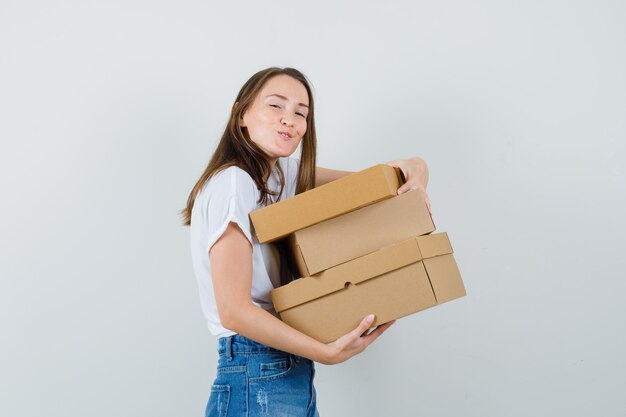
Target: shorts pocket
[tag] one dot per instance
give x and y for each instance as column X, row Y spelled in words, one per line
column 274, row 368
column 218, row 401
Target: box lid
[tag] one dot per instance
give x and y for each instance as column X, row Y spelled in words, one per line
column 360, row 269
column 325, row 202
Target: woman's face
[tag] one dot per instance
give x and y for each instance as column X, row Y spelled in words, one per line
column 276, row 119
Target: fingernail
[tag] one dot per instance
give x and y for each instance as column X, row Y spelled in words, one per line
column 370, row 318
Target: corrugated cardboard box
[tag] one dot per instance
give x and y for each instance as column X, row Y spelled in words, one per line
column 391, row 282
column 325, row 202
column 360, row 232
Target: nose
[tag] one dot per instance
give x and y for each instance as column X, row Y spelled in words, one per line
column 287, row 119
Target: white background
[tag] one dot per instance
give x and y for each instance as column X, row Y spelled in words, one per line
column 110, row 110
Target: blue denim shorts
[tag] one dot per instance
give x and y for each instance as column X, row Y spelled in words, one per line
column 256, row 380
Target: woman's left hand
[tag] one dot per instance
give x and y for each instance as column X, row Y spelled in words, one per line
column 416, row 174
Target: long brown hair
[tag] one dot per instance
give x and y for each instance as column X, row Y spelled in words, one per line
column 237, row 149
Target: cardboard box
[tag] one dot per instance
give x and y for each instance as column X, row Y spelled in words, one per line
column 360, row 232
column 391, row 282
column 325, row 202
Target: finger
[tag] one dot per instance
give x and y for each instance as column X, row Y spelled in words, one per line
column 408, row 186
column 376, row 333
column 383, row 327
column 363, row 326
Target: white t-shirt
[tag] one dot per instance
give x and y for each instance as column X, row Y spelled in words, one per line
column 228, row 197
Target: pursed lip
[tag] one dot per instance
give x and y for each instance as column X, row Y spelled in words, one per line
column 285, row 133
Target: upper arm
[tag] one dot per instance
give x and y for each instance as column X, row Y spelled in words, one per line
column 231, row 270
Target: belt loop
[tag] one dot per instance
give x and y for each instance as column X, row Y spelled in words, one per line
column 229, row 348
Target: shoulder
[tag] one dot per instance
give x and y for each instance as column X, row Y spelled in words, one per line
column 228, row 196
column 232, row 178
column 230, row 183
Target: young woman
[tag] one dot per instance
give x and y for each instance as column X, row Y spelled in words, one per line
column 265, row 367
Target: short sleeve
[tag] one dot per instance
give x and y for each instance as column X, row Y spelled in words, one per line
column 232, row 196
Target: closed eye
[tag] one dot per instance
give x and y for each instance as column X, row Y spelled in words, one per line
column 276, row 106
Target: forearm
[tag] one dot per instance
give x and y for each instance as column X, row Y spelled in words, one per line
column 414, row 169
column 257, row 324
column 326, row 175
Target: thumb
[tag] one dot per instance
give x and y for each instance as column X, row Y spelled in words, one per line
column 364, row 325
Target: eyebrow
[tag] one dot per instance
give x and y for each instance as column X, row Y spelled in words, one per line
column 286, row 99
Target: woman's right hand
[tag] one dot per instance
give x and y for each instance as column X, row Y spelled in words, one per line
column 355, row 342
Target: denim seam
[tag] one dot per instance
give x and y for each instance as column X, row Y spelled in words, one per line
column 269, row 366
column 274, row 377
column 231, row 369
column 247, row 392
column 312, row 399
column 244, row 352
column 219, row 389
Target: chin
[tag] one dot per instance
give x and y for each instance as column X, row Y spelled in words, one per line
column 283, row 153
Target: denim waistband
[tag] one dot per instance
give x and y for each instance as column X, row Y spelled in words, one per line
column 241, row 344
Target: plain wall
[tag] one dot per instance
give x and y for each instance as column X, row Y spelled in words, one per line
column 110, row 110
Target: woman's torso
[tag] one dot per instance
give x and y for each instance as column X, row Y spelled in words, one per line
column 231, row 195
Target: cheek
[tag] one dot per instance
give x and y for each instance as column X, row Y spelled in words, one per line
column 256, row 118
column 302, row 128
